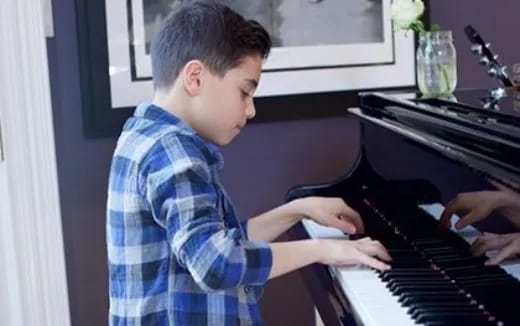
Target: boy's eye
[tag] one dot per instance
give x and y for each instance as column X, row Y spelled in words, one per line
column 244, row 94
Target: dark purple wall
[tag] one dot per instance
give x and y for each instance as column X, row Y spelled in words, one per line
column 260, row 165
column 497, row 22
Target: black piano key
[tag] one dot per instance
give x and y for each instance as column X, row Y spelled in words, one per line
column 453, row 317
column 440, row 250
column 435, row 258
column 419, row 277
column 443, row 304
column 422, row 280
column 394, row 285
column 478, row 284
column 409, row 270
column 410, row 288
column 434, row 295
column 491, row 276
column 418, row 312
column 409, row 264
column 461, row 323
column 453, row 263
column 426, row 301
column 429, row 242
column 396, row 272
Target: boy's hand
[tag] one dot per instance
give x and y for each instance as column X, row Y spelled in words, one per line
column 507, row 244
column 347, row 252
column 332, row 212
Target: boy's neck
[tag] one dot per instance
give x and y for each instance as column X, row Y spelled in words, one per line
column 173, row 103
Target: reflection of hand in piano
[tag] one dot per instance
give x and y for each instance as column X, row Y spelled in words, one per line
column 508, row 246
column 478, row 205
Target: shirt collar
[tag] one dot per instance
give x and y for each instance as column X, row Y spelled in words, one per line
column 154, row 112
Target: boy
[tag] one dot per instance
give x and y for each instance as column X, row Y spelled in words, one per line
column 177, row 252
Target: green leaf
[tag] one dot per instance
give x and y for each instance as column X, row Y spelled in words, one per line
column 417, row 26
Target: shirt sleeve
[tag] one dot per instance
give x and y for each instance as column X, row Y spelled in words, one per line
column 243, row 225
column 184, row 199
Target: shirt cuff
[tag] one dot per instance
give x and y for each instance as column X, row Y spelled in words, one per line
column 259, row 261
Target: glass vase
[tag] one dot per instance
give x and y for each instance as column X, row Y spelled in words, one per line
column 436, row 64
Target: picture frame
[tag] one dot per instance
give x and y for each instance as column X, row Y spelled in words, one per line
column 116, row 75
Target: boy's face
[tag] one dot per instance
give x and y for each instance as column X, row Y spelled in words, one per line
column 225, row 103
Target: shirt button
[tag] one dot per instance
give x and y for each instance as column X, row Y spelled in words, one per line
column 247, row 289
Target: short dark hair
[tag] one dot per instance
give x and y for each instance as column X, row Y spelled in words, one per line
column 205, row 30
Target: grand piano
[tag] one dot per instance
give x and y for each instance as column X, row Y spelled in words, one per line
column 415, row 156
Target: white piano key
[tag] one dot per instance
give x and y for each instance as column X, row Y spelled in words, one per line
column 372, row 301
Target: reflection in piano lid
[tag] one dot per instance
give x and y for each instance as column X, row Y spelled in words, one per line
column 416, row 156
column 484, row 140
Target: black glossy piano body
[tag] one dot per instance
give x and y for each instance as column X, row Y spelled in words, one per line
column 415, row 152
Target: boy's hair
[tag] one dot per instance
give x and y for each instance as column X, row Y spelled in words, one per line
column 208, row 31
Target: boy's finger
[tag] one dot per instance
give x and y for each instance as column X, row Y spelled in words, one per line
column 345, row 226
column 353, row 216
column 375, row 248
column 372, row 262
column 354, row 220
column 382, row 253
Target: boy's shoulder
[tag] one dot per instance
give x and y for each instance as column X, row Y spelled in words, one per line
column 143, row 139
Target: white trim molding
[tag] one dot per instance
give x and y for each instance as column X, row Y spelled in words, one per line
column 33, row 280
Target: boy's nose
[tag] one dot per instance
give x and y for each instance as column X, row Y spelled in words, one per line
column 251, row 110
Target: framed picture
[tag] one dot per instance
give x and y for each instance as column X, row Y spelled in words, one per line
column 319, row 46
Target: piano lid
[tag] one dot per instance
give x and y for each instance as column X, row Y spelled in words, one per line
column 485, row 140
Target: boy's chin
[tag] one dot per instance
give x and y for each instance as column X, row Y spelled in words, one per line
column 227, row 139
column 223, row 141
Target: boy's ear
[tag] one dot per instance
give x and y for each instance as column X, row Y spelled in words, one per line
column 192, row 76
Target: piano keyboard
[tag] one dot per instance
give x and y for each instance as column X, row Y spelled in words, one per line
column 414, row 293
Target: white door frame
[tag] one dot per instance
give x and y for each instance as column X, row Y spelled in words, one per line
column 33, row 276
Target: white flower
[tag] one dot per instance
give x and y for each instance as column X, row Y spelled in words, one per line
column 405, row 12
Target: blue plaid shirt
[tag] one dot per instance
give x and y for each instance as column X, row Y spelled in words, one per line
column 177, row 252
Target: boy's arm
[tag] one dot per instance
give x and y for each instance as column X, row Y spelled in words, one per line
column 176, row 181
column 326, row 211
column 270, row 225
column 290, row 256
